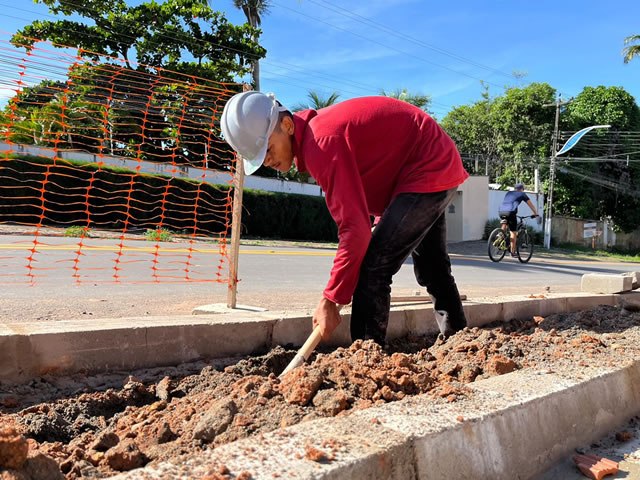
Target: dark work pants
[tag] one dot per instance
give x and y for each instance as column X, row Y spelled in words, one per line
column 413, row 224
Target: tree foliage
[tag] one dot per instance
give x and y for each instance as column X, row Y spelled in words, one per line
column 604, row 105
column 632, row 48
column 511, row 132
column 185, row 36
column 423, row 102
column 601, row 173
column 316, row 101
column 160, row 107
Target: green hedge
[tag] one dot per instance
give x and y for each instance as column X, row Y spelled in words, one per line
column 114, row 198
column 287, row 216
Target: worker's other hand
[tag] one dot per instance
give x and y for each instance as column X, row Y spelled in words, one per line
column 327, row 316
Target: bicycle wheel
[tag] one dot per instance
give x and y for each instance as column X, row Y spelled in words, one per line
column 525, row 246
column 497, row 245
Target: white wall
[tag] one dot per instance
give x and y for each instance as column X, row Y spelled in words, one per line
column 214, row 177
column 467, row 213
column 455, row 218
column 475, row 198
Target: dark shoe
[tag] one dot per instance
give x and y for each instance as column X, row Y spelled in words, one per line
column 444, row 324
column 514, row 255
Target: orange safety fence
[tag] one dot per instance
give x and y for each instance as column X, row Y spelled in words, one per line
column 95, row 154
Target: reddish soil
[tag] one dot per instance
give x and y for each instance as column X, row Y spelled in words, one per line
column 77, row 427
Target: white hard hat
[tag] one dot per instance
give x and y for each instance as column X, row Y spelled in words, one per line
column 247, row 121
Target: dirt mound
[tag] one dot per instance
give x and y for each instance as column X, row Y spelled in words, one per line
column 163, row 414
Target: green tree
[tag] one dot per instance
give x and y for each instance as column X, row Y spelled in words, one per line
column 254, row 10
column 154, row 110
column 472, row 128
column 316, row 101
column 604, row 105
column 511, row 132
column 185, row 36
column 524, row 127
column 421, row 101
column 632, row 48
column 600, row 176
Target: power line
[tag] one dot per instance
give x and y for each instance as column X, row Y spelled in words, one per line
column 379, row 26
column 288, row 66
column 387, row 46
column 601, row 181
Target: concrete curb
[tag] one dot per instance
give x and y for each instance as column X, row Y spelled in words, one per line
column 534, row 418
column 512, row 426
column 29, row 350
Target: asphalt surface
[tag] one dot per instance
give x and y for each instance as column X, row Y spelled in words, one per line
column 51, row 277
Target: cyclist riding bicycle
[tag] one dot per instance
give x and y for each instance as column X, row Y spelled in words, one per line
column 509, row 209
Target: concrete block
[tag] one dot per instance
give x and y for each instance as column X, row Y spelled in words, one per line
column 479, row 314
column 66, row 352
column 215, row 339
column 585, row 301
column 603, row 283
column 134, row 344
column 16, row 363
column 523, row 309
column 636, row 279
column 629, row 301
column 292, row 330
column 411, row 320
column 295, row 330
column 552, row 305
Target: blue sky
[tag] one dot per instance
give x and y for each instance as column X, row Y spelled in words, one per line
column 441, row 49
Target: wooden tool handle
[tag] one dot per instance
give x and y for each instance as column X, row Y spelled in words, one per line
column 311, row 343
column 305, row 351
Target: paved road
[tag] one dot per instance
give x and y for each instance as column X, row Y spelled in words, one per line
column 279, row 278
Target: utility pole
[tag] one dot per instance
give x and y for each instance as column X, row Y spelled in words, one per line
column 569, row 144
column 552, row 169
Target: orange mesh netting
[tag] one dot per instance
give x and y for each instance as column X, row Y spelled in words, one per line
column 105, row 154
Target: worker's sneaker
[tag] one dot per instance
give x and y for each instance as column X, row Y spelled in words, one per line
column 448, row 324
column 442, row 318
column 514, row 255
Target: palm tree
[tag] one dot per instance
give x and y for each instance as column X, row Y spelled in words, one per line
column 254, row 10
column 631, row 51
column 317, row 101
column 420, row 101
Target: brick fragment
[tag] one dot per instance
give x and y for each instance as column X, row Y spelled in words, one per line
column 594, row 466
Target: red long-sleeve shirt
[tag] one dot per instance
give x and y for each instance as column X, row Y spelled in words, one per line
column 363, row 152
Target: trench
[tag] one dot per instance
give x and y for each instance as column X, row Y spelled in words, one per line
column 97, row 426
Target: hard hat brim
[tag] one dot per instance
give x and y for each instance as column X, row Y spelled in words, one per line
column 252, row 166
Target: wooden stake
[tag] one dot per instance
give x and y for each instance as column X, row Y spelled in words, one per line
column 236, row 227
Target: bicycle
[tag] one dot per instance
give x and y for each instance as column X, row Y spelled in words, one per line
column 499, row 242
